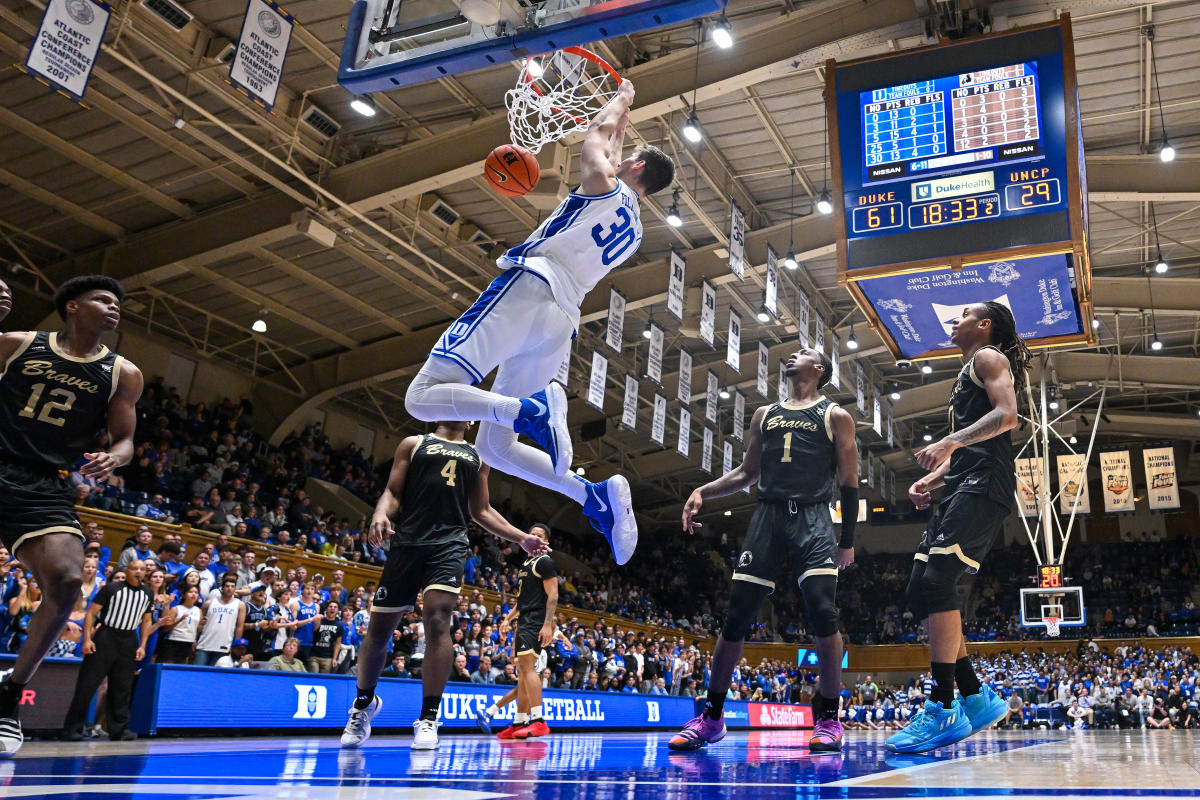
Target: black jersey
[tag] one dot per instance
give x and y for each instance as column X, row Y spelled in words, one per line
column 986, row 467
column 799, row 459
column 52, row 405
column 437, row 488
column 531, row 594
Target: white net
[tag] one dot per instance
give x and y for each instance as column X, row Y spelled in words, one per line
column 1052, row 616
column 557, row 94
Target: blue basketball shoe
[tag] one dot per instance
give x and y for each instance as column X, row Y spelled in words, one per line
column 543, row 418
column 932, row 727
column 983, row 709
column 609, row 505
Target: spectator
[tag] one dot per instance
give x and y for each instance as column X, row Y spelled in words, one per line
column 458, row 672
column 484, row 674
column 286, row 661
column 398, row 668
column 182, row 626
column 238, row 656
column 155, row 509
column 327, row 640
column 221, row 624
column 138, row 549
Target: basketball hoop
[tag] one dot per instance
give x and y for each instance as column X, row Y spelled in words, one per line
column 557, row 94
column 1052, row 625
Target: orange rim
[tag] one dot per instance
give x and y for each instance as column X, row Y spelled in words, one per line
column 575, row 51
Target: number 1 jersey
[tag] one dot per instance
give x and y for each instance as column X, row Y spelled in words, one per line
column 437, row 490
column 583, row 240
column 799, row 457
column 52, row 405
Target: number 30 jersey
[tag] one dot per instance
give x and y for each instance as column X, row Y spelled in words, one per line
column 799, row 459
column 52, row 405
column 437, row 490
column 585, row 238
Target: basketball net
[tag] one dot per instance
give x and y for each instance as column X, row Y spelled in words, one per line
column 558, row 94
column 1052, row 625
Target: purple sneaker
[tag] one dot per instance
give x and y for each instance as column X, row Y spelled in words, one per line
column 827, row 736
column 698, row 732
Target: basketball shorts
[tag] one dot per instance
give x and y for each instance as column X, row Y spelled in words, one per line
column 529, row 628
column 515, row 322
column 965, row 525
column 34, row 503
column 777, row 529
column 412, row 569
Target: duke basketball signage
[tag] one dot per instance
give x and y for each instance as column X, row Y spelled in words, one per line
column 311, row 701
column 67, row 44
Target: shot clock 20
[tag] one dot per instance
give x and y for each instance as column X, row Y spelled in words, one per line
column 1051, row 577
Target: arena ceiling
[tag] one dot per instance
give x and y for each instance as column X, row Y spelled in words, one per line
column 211, row 210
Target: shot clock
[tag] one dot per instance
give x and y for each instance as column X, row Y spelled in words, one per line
column 1051, row 577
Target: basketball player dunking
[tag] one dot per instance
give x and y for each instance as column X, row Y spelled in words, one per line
column 524, row 322
column 59, row 389
column 975, row 463
column 793, row 452
column 437, row 483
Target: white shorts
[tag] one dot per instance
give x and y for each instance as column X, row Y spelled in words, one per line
column 516, row 325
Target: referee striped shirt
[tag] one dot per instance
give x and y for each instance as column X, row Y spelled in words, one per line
column 122, row 605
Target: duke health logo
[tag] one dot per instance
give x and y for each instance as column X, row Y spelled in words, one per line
column 923, row 190
column 310, row 701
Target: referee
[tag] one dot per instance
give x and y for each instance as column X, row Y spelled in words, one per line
column 112, row 652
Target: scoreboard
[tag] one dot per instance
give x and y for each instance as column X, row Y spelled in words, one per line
column 961, row 155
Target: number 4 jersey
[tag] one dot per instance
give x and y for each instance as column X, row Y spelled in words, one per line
column 585, row 238
column 437, row 489
column 52, row 404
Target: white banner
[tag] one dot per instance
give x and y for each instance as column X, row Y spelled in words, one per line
column 882, row 480
column 1029, row 481
column 892, row 486
column 257, row 66
column 733, row 345
column 771, row 292
column 1117, row 477
column 614, row 334
column 1072, row 484
column 835, row 360
column 629, row 407
column 67, row 43
column 891, row 427
column 819, row 333
column 803, row 315
column 711, row 397
column 564, row 371
column 708, row 313
column 860, row 388
column 658, row 425
column 726, row 457
column 675, row 291
column 595, row 394
column 706, row 452
column 876, row 412
column 685, row 431
column 684, row 391
column 739, row 416
column 654, row 358
column 870, row 470
column 763, row 359
column 737, row 240
column 1162, row 486
column 782, row 387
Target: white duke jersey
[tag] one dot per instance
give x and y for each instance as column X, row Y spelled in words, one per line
column 585, row 238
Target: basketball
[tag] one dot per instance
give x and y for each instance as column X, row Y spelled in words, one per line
column 511, row 170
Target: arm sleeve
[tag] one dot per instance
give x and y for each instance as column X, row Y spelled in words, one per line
column 849, row 498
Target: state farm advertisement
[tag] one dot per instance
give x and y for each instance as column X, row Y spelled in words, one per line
column 770, row 715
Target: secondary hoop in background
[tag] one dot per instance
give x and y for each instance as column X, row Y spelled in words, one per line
column 1052, row 616
column 558, row 94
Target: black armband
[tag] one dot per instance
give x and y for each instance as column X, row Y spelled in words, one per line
column 849, row 516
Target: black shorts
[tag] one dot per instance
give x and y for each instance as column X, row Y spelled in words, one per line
column 529, row 628
column 965, row 526
column 34, row 502
column 412, row 569
column 804, row 530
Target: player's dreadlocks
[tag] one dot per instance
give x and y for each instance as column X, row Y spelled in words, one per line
column 1005, row 337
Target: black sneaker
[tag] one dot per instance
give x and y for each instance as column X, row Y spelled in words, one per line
column 124, row 736
column 11, row 737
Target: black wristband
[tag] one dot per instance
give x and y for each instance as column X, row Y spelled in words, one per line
column 849, row 516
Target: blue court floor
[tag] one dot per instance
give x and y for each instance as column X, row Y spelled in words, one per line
column 616, row 766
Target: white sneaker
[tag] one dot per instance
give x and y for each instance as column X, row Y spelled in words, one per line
column 425, row 734
column 11, row 737
column 358, row 727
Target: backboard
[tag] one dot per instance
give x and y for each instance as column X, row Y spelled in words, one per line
column 1039, row 603
column 393, row 43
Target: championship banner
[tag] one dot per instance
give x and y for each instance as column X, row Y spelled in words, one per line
column 877, row 412
column 629, row 407
column 654, row 359
column 771, row 290
column 737, row 240
column 658, row 424
column 739, row 415
column 711, row 397
column 892, row 485
column 1072, row 484
column 860, row 386
column 870, row 470
column 726, row 457
column 882, row 480
column 708, row 313
column 685, row 431
column 564, row 371
column 684, row 391
column 803, row 315
column 891, row 427
column 595, row 393
column 835, row 360
column 783, row 388
column 1117, row 478
column 257, row 66
column 761, row 379
column 1162, row 486
column 733, row 345
column 706, row 452
column 675, row 290
column 614, row 334
column 67, row 43
column 819, row 334
column 1029, row 481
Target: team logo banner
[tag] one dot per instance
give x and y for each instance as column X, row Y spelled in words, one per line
column 711, row 397
column 654, row 358
column 614, row 334
column 726, row 457
column 706, row 453
column 860, row 389
column 67, row 44
column 684, row 390
column 819, row 334
column 257, row 66
column 739, row 415
column 1162, row 485
column 760, row 383
column 685, row 431
column 783, row 382
column 1072, row 484
column 876, row 412
column 835, row 360
column 708, row 312
column 1029, row 481
column 1117, row 478
column 733, row 345
column 771, row 290
column 629, row 407
column 595, row 394
column 675, row 290
column 737, row 240
column 803, row 315
column 891, row 427
column 658, row 424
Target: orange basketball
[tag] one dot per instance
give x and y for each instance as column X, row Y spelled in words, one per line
column 511, row 170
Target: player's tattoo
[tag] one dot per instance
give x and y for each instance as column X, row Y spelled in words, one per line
column 987, row 426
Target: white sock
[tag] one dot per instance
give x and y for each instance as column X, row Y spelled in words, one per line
column 521, row 719
column 499, row 447
column 492, row 710
column 535, row 713
column 442, row 391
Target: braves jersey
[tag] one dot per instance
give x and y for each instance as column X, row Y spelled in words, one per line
column 799, row 458
column 585, row 238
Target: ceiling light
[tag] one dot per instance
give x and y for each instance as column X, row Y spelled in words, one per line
column 823, row 203
column 579, row 470
column 673, row 218
column 260, row 322
column 926, row 369
column 863, row 479
column 1166, row 153
column 646, row 333
column 1161, row 266
column 728, row 513
column 789, row 260
column 722, row 35
column 763, row 315
column 1095, row 322
column 691, row 129
column 928, row 437
column 1072, row 440
column 1156, row 344
column 1054, row 405
column 364, row 105
column 533, row 68
column 895, row 393
column 724, row 393
column 852, row 342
